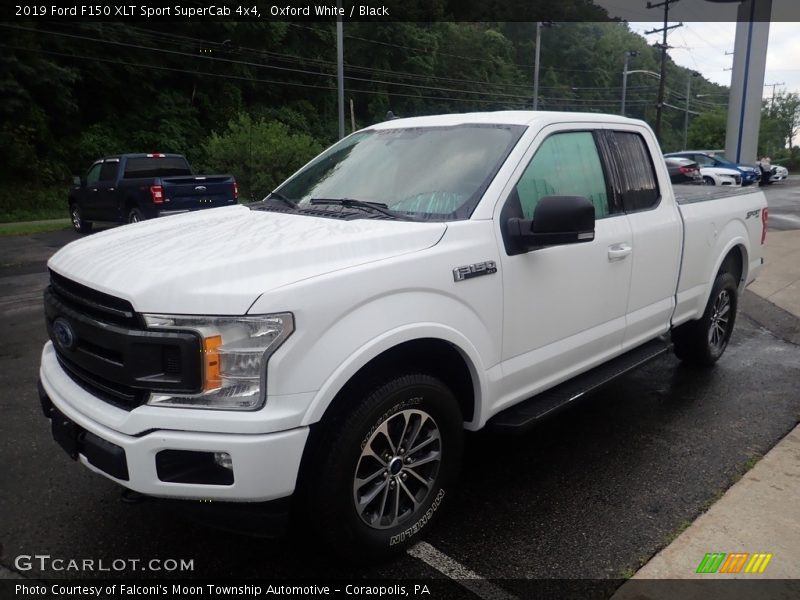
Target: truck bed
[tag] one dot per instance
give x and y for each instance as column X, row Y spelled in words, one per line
column 689, row 194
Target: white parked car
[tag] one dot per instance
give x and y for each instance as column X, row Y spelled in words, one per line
column 721, row 176
column 779, row 173
column 325, row 349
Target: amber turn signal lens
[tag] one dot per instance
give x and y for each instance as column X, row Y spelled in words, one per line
column 212, row 379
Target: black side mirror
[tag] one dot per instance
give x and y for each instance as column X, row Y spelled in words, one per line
column 76, row 181
column 557, row 220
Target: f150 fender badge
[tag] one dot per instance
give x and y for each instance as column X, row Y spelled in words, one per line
column 474, row 270
column 753, row 213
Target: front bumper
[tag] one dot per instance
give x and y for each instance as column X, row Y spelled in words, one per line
column 264, row 466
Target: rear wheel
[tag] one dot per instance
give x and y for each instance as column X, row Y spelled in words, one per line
column 135, row 215
column 703, row 341
column 380, row 473
column 709, row 180
column 78, row 224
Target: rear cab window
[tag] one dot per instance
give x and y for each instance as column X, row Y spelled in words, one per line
column 152, row 167
column 108, row 171
column 630, row 164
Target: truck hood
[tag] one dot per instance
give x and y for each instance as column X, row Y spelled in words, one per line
column 220, row 261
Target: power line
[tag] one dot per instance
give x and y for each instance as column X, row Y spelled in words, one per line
column 260, row 65
column 239, row 78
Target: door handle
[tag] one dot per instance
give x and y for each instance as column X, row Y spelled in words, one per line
column 619, row 252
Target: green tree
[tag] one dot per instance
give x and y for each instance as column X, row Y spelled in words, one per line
column 707, row 131
column 259, row 153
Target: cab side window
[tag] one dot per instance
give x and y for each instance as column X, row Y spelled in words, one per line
column 638, row 185
column 566, row 164
column 109, row 171
column 94, row 174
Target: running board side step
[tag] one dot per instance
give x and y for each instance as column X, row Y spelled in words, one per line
column 521, row 417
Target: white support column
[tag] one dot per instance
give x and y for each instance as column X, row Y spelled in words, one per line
column 747, row 81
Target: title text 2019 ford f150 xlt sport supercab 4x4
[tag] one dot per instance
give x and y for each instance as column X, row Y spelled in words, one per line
column 323, row 350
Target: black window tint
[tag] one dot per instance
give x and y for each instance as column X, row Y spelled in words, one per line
column 109, row 171
column 94, row 174
column 150, row 167
column 638, row 185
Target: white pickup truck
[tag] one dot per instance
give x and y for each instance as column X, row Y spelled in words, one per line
column 320, row 353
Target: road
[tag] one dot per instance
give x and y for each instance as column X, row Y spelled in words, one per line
column 591, row 493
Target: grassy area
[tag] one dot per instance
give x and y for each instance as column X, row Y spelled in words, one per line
column 33, row 227
column 25, row 203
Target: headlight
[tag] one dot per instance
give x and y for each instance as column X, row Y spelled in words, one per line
column 234, row 356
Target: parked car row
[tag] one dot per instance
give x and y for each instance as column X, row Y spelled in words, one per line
column 707, row 159
column 710, row 168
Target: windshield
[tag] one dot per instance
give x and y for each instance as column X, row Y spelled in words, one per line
column 431, row 173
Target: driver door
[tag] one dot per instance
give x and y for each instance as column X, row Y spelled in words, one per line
column 91, row 192
column 564, row 307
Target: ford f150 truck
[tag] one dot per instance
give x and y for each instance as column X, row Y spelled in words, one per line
column 132, row 187
column 319, row 354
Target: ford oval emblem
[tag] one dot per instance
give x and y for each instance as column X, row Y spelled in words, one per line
column 63, row 334
column 200, row 188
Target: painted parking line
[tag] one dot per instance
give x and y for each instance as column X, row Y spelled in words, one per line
column 458, row 573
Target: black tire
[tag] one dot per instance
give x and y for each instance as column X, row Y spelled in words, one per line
column 135, row 215
column 78, row 224
column 703, row 341
column 709, row 180
column 412, row 407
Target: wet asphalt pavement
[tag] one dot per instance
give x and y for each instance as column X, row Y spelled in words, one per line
column 591, row 493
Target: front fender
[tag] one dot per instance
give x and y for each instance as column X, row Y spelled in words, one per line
column 386, row 341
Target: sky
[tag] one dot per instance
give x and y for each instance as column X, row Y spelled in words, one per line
column 702, row 47
column 701, row 44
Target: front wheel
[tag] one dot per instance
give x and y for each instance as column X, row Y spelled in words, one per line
column 703, row 341
column 78, row 224
column 709, row 180
column 382, row 471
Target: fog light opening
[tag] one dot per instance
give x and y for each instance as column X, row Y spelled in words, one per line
column 223, row 459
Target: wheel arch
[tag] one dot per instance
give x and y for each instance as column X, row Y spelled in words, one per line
column 734, row 261
column 439, row 354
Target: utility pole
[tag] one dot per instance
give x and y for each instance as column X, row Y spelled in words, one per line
column 772, row 99
column 629, row 54
column 686, row 117
column 536, row 66
column 340, row 69
column 539, row 25
column 663, row 45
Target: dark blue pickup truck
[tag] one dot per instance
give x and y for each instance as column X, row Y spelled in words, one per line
column 132, row 187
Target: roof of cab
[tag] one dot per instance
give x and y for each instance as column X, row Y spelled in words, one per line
column 503, row 117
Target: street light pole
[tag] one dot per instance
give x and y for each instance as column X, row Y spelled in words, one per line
column 628, row 55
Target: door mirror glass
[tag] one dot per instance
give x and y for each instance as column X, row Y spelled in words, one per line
column 76, row 181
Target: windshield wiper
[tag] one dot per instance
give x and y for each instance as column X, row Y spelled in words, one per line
column 379, row 207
